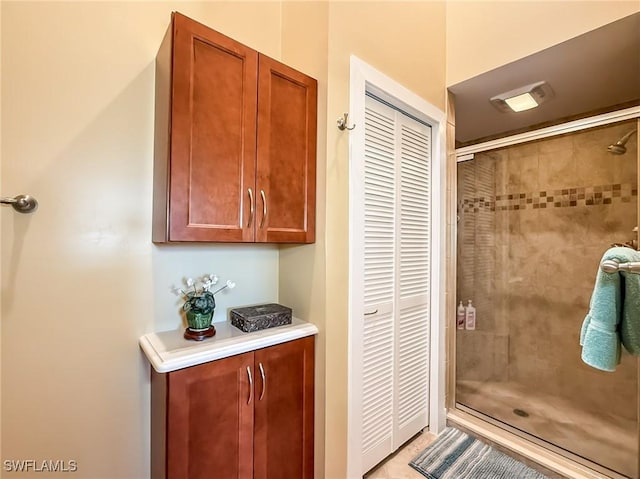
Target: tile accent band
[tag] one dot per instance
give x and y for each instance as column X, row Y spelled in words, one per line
column 562, row 198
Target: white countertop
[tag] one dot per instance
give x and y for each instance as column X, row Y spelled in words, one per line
column 168, row 350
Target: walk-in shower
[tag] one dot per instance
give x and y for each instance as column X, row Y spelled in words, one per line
column 534, row 221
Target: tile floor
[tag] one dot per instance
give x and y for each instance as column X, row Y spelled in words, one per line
column 397, row 465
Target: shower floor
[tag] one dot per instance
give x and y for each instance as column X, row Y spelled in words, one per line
column 606, row 439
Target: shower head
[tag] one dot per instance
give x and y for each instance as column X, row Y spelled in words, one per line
column 618, row 147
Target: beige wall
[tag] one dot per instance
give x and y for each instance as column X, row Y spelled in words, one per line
column 81, row 280
column 302, row 268
column 377, row 33
column 482, row 35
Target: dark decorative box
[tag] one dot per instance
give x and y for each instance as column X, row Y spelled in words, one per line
column 263, row 316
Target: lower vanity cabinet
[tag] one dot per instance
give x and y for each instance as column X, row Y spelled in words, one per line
column 248, row 416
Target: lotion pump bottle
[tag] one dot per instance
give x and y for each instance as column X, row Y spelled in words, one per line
column 460, row 316
column 470, row 316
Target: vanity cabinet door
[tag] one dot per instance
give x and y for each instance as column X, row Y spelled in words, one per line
column 210, row 420
column 248, row 416
column 283, row 431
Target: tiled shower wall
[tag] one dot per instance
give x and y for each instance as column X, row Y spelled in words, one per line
column 534, row 221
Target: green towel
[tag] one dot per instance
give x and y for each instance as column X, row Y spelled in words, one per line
column 614, row 314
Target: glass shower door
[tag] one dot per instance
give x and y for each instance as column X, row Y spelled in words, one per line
column 535, row 220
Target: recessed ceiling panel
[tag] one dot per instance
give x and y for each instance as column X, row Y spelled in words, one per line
column 593, row 73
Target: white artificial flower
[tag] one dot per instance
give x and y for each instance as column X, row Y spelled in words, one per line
column 197, row 287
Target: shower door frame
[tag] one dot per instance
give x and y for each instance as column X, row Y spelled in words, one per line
column 460, row 414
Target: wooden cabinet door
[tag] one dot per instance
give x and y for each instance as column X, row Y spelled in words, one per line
column 210, row 420
column 286, row 158
column 283, row 430
column 213, row 136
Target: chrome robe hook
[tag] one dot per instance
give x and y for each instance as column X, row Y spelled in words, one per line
column 343, row 122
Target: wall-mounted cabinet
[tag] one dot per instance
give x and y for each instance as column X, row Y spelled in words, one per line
column 235, row 148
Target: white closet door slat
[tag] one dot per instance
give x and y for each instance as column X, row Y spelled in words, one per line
column 412, row 361
column 415, row 221
column 379, row 266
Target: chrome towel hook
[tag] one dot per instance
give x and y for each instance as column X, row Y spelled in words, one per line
column 21, row 203
column 343, row 122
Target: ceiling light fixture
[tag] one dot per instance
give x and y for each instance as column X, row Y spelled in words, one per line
column 523, row 98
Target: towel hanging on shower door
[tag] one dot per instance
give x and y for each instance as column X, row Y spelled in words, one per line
column 614, row 314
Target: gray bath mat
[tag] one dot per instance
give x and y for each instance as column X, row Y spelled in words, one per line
column 456, row 455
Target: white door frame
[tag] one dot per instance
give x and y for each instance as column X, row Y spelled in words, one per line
column 363, row 78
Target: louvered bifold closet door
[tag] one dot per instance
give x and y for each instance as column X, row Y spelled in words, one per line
column 379, row 281
column 413, row 291
column 397, row 229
